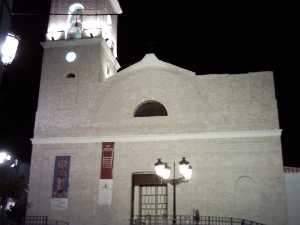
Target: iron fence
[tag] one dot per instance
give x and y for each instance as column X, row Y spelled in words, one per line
column 157, row 220
column 190, row 220
column 43, row 220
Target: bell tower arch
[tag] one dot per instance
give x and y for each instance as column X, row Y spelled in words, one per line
column 80, row 19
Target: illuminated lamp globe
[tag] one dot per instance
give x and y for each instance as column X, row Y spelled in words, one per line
column 159, row 167
column 9, row 48
column 188, row 173
column 4, row 156
column 166, row 172
column 183, row 166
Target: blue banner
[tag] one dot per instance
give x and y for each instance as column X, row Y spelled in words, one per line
column 61, row 177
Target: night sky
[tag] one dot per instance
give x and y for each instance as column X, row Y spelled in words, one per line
column 205, row 39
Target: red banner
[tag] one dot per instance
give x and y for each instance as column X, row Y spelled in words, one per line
column 107, row 160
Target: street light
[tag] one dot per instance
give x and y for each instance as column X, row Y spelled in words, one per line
column 163, row 170
column 9, row 48
column 6, row 157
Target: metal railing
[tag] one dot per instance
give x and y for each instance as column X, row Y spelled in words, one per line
column 190, row 220
column 43, row 220
column 157, row 220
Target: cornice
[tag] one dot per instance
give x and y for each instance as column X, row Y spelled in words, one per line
column 158, row 137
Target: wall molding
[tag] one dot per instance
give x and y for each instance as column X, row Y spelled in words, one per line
column 158, row 137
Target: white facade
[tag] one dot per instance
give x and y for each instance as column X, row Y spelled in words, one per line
column 292, row 183
column 225, row 125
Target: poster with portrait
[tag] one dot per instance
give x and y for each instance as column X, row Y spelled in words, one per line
column 60, row 187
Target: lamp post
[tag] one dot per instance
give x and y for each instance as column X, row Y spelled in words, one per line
column 164, row 171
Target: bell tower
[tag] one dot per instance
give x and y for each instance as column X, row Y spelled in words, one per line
column 80, row 54
column 76, row 27
column 81, row 19
column 79, row 57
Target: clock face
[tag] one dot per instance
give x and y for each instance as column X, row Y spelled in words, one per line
column 71, row 57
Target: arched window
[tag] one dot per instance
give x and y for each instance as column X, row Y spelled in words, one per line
column 109, row 20
column 76, row 8
column 150, row 108
column 75, row 21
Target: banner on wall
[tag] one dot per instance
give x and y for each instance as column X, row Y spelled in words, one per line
column 60, row 187
column 106, row 176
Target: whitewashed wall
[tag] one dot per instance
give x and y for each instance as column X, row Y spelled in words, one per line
column 226, row 125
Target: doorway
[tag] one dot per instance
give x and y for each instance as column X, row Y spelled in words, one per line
column 149, row 198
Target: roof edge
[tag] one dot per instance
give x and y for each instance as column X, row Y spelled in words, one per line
column 150, row 60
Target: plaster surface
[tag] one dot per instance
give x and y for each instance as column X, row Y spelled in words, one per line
column 235, row 173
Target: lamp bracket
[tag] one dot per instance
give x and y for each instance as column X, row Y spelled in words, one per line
column 177, row 181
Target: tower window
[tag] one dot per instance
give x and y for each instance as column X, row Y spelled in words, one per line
column 109, row 20
column 74, row 28
column 71, row 57
column 108, row 71
column 70, row 75
column 150, row 108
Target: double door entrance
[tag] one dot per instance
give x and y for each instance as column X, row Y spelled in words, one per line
column 153, row 200
column 149, row 198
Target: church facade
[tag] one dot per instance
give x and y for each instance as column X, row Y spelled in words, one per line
column 98, row 132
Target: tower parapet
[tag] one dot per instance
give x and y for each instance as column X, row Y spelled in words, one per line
column 71, row 19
